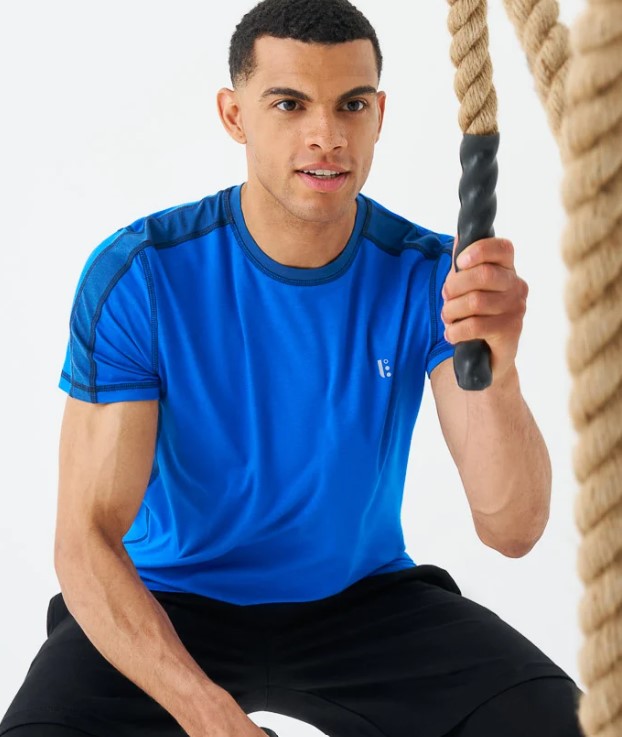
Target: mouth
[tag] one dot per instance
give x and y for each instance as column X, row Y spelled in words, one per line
column 323, row 180
column 323, row 173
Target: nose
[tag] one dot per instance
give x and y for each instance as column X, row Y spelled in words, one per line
column 324, row 131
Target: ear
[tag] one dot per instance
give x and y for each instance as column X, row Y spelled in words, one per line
column 381, row 99
column 230, row 113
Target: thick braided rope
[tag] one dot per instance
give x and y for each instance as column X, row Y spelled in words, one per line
column 578, row 77
column 588, row 68
column 591, row 144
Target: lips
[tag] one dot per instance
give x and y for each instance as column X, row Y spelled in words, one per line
column 321, row 173
column 324, row 183
column 323, row 166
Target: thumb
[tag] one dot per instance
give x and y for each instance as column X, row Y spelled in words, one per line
column 453, row 253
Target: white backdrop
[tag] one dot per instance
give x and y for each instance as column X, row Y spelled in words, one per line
column 110, row 114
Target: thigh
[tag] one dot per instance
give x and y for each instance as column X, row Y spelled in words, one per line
column 69, row 683
column 544, row 707
column 397, row 655
column 45, row 730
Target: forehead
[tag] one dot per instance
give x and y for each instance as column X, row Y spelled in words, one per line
column 291, row 63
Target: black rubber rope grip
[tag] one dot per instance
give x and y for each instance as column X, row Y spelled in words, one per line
column 478, row 207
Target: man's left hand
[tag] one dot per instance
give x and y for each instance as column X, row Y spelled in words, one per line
column 486, row 299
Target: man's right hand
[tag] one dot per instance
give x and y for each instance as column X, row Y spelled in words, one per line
column 229, row 720
column 100, row 584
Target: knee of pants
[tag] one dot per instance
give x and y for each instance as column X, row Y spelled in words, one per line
column 543, row 707
column 44, row 730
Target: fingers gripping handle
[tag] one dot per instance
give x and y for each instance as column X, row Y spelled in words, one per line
column 478, row 207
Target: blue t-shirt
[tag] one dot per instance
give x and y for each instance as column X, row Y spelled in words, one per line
column 287, row 396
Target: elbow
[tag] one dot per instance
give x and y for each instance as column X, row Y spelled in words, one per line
column 518, row 551
column 513, row 535
column 527, row 546
column 514, row 549
column 512, row 546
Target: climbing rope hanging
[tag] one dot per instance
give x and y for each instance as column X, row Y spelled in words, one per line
column 578, row 78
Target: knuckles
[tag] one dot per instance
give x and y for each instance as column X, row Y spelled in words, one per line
column 486, row 273
column 508, row 246
column 476, row 301
column 525, row 288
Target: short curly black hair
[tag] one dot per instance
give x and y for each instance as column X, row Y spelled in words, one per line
column 313, row 21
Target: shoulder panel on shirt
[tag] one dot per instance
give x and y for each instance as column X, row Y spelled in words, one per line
column 112, row 348
column 112, row 352
column 181, row 223
column 395, row 234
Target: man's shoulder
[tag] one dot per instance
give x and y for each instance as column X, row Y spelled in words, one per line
column 174, row 225
column 183, row 220
column 396, row 233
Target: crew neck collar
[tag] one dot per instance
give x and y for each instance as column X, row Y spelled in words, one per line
column 295, row 274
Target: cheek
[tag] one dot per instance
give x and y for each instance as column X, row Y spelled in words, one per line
column 274, row 139
column 364, row 140
column 366, row 149
column 259, row 132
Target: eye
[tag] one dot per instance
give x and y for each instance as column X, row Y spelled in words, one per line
column 362, row 103
column 286, row 102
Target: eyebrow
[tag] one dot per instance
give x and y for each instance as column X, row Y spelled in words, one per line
column 289, row 92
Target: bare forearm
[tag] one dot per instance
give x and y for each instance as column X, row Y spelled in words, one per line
column 506, row 468
column 129, row 627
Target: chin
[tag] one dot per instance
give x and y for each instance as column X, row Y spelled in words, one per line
column 325, row 203
column 320, row 212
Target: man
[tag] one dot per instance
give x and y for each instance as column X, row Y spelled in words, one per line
column 244, row 373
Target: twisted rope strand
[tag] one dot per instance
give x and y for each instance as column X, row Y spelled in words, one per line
column 545, row 42
column 471, row 57
column 599, row 494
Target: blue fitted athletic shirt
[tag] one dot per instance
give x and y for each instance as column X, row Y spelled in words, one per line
column 287, row 396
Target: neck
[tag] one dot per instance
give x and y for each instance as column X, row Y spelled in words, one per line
column 290, row 240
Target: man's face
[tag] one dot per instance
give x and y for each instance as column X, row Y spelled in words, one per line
column 308, row 106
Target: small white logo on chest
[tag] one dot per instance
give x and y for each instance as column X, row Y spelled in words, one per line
column 384, row 369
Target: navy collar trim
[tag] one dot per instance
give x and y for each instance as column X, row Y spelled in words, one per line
column 295, row 274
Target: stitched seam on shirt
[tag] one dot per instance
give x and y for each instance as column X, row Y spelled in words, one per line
column 91, row 267
column 126, row 266
column 110, row 387
column 187, row 237
column 429, row 254
column 398, row 251
column 98, row 311
column 153, row 310
column 142, row 244
column 437, row 350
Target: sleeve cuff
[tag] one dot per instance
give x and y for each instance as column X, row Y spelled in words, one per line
column 110, row 392
column 439, row 357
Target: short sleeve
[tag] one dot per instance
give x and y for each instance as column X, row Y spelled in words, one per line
column 111, row 352
column 440, row 349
